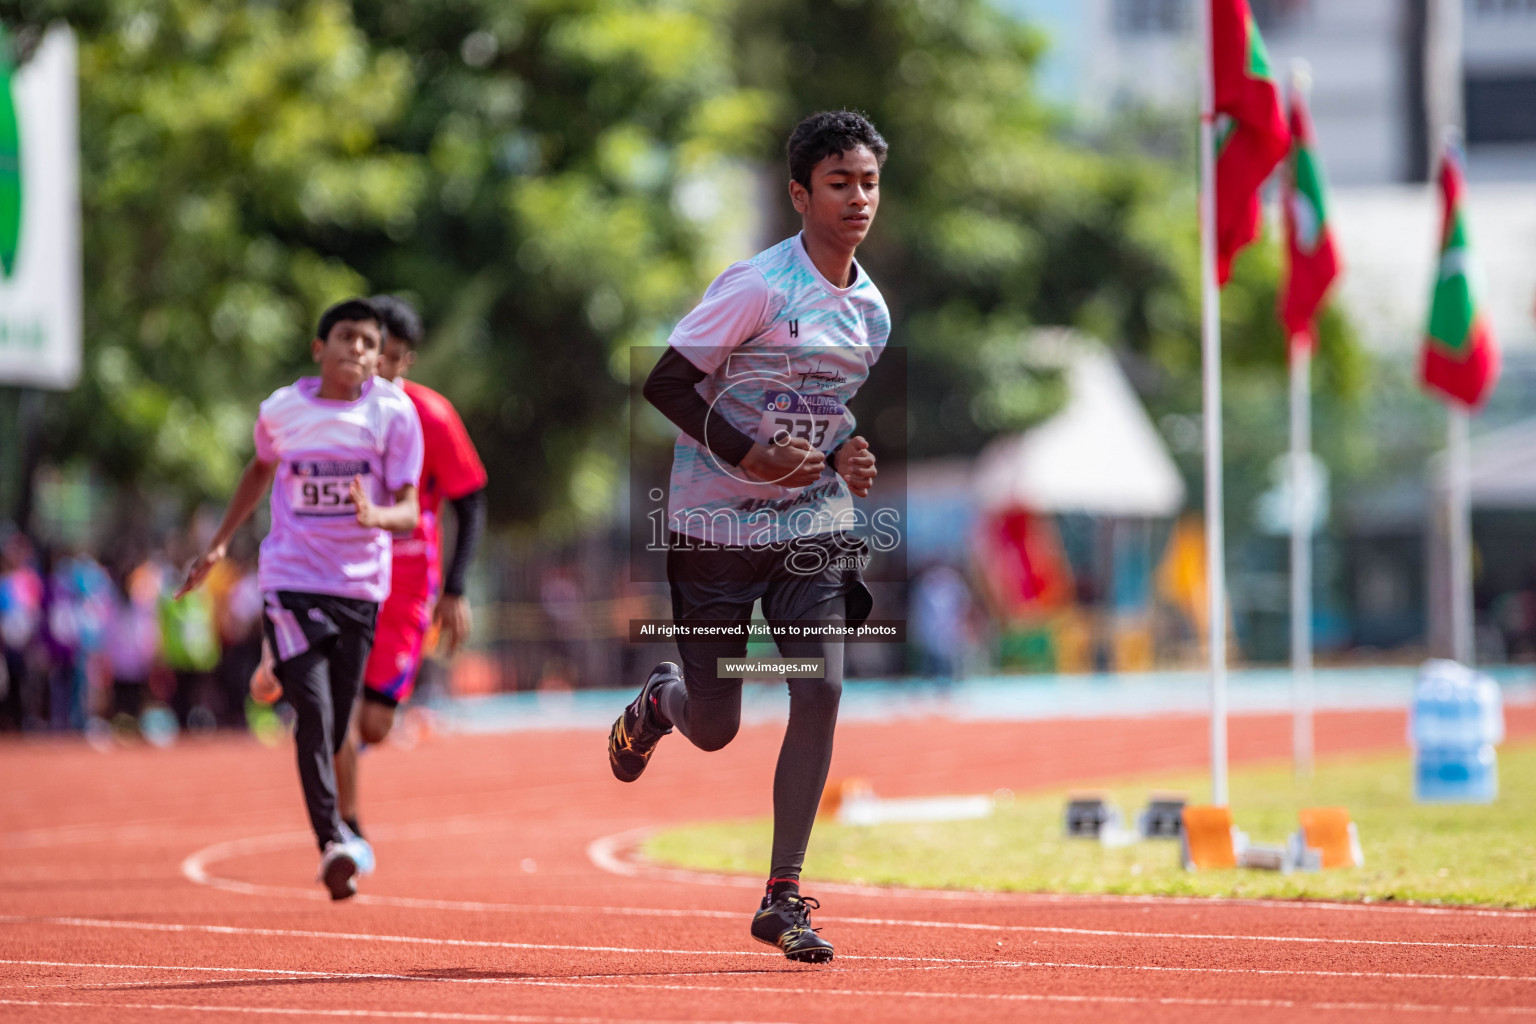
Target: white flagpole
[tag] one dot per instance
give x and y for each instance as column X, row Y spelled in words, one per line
column 1302, row 512
column 1210, row 356
column 1459, row 496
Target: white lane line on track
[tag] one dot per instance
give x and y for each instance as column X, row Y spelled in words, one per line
column 474, row 906
column 1020, row 997
column 601, row 851
column 195, row 866
column 417, row 903
column 942, row 961
column 801, row 989
column 1045, row 929
column 183, row 967
column 220, row 929
column 1196, row 936
column 493, row 1018
column 246, row 972
column 947, row 965
column 1079, row 999
column 234, row 982
column 609, row 854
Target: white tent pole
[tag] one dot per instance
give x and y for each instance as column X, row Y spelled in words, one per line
column 1303, row 509
column 1459, row 496
column 1210, row 355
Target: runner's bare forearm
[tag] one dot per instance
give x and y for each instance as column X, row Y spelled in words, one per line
column 402, row 516
column 254, row 482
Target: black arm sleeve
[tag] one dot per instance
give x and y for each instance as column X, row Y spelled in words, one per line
column 470, row 510
column 672, row 388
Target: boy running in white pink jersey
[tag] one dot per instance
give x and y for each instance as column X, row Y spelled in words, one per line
column 342, row 452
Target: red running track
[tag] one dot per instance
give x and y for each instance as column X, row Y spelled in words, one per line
column 175, row 885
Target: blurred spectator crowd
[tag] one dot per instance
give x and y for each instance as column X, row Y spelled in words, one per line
column 97, row 643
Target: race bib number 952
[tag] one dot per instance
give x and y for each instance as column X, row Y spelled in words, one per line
column 817, row 418
column 324, row 488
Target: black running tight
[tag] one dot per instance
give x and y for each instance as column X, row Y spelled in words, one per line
column 707, row 710
column 321, row 684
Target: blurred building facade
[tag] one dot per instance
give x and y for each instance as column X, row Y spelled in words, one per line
column 1367, row 59
column 1385, row 76
column 1375, row 90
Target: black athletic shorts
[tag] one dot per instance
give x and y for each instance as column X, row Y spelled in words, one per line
column 718, row 583
column 295, row 622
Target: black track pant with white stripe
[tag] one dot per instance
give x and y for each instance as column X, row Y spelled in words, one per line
column 321, row 644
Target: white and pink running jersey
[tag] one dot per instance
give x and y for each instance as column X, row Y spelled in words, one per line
column 315, row 545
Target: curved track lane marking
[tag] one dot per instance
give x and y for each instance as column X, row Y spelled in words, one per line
column 601, row 851
column 616, row 855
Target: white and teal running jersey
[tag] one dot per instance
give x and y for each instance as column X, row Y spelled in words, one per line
column 785, row 352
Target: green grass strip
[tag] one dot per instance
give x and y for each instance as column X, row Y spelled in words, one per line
column 1436, row 853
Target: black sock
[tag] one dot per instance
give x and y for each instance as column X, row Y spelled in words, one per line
column 352, row 824
column 779, row 886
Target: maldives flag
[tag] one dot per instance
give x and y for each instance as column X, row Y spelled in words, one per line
column 1251, row 137
column 1460, row 359
column 1313, row 262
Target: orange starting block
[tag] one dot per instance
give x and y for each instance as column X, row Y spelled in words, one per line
column 1208, row 837
column 841, row 791
column 1329, row 831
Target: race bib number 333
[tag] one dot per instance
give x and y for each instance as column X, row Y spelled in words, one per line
column 322, row 488
column 816, row 418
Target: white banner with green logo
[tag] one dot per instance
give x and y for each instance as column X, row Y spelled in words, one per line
column 40, row 319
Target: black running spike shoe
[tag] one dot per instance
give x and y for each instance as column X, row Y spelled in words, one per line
column 785, row 921
column 635, row 735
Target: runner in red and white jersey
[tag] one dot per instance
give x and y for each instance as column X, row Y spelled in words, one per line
column 424, row 592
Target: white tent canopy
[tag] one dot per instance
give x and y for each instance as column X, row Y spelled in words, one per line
column 1503, row 468
column 1099, row 455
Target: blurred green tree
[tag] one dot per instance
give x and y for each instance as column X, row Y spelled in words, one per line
column 223, row 147
column 545, row 179
column 579, row 157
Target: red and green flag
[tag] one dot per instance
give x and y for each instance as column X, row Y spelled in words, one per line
column 1460, row 358
column 1251, row 136
column 1313, row 260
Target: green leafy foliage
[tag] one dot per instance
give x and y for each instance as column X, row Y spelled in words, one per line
column 224, row 148
column 566, row 144
column 541, row 179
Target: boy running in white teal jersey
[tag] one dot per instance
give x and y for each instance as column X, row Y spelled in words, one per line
column 758, row 378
